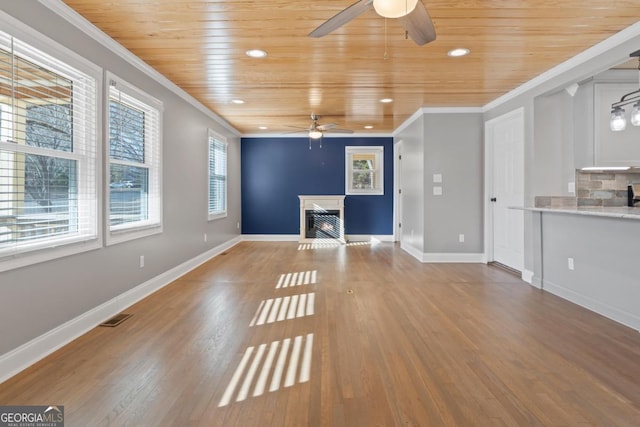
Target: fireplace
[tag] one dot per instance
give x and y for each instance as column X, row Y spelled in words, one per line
column 322, row 224
column 321, row 218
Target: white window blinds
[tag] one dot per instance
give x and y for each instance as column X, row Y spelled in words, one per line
column 48, row 187
column 217, row 176
column 134, row 153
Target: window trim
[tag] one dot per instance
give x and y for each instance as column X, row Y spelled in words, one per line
column 71, row 245
column 378, row 152
column 211, row 134
column 135, row 230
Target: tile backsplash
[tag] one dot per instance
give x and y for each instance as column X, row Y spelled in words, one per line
column 603, row 188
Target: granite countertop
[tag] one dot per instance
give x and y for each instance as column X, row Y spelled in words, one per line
column 610, row 212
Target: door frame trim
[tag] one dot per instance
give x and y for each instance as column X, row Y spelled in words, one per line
column 489, row 126
column 397, row 202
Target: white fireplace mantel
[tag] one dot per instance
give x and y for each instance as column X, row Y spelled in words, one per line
column 324, row 202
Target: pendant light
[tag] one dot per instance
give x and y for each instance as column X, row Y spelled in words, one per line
column 618, row 120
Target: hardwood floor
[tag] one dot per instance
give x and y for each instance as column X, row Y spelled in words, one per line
column 271, row 334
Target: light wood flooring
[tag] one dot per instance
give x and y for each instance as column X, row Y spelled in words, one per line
column 374, row 338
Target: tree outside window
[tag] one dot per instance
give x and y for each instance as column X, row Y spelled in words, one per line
column 364, row 170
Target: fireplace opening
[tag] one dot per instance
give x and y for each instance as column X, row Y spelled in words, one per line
column 322, row 224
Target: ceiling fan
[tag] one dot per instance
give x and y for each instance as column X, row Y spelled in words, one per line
column 412, row 14
column 316, row 131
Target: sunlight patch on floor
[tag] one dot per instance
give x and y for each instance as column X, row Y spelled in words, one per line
column 255, row 370
column 297, row 279
column 309, row 246
column 331, row 245
column 284, row 308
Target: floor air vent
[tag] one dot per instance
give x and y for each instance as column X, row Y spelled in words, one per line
column 116, row 320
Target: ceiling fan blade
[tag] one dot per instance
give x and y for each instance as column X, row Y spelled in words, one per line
column 327, row 126
column 337, row 21
column 419, row 25
column 298, row 127
column 338, row 131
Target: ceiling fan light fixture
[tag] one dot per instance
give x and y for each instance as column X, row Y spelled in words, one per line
column 315, row 134
column 394, row 8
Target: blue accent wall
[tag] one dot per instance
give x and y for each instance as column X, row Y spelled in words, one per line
column 276, row 170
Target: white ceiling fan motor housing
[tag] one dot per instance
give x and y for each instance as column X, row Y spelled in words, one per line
column 394, row 8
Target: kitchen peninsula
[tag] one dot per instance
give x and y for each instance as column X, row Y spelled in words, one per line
column 589, row 255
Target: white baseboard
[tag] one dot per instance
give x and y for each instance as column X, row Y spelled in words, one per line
column 29, row 353
column 453, row 257
column 426, row 257
column 270, row 237
column 411, row 251
column 527, row 276
column 631, row 320
column 296, row 237
column 369, row 238
column 536, row 282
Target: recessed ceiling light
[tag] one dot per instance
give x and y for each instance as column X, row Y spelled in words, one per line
column 458, row 52
column 368, row 127
column 237, row 101
column 256, row 53
column 263, row 127
column 386, row 100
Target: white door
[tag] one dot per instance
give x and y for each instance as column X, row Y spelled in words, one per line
column 505, row 189
column 397, row 188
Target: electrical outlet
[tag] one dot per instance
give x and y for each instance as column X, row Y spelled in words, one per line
column 141, row 261
column 238, row 225
column 570, row 264
column 437, row 190
column 205, row 237
column 461, row 238
column 572, row 188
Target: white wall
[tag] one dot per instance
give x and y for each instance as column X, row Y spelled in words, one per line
column 412, row 170
column 448, row 143
column 553, row 145
column 454, row 149
column 37, row 299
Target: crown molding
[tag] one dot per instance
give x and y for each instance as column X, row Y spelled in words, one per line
column 603, row 47
column 436, row 110
column 78, row 21
column 324, row 137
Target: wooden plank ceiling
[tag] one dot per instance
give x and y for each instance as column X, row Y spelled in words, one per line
column 200, row 45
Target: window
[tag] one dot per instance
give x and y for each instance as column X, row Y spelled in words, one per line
column 364, row 170
column 48, row 150
column 134, row 152
column 217, row 176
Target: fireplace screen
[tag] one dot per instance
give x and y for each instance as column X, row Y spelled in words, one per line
column 322, row 224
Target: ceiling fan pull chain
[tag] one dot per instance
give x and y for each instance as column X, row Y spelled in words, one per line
column 386, row 56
